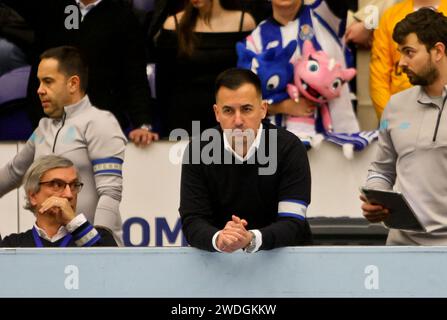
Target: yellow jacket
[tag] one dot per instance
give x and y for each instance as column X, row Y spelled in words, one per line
column 386, row 78
column 361, row 14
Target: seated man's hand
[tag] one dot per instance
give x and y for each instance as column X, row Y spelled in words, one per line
column 59, row 209
column 373, row 212
column 142, row 137
column 302, row 108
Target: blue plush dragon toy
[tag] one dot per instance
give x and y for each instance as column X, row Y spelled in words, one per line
column 273, row 68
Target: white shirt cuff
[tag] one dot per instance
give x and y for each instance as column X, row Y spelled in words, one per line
column 76, row 222
column 258, row 235
column 214, row 241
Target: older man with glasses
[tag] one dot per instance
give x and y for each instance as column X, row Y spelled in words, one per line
column 52, row 185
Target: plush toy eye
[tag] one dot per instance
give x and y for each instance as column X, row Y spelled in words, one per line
column 337, row 84
column 273, row 82
column 313, row 66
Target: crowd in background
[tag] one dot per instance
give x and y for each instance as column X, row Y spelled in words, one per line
column 117, row 47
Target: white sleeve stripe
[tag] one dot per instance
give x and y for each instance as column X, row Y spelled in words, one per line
column 380, row 176
column 107, row 166
column 86, row 238
column 292, row 207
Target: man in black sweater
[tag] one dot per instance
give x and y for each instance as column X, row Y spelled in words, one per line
column 112, row 42
column 249, row 187
column 51, row 185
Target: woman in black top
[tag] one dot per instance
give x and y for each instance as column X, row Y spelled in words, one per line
column 193, row 47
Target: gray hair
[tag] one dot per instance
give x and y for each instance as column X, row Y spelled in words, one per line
column 31, row 180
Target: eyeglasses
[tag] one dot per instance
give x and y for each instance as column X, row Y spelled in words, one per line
column 58, row 185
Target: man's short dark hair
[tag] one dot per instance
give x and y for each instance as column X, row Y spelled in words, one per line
column 70, row 62
column 430, row 27
column 234, row 78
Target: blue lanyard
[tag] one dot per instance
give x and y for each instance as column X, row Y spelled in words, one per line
column 39, row 243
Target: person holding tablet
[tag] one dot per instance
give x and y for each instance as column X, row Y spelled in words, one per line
column 413, row 132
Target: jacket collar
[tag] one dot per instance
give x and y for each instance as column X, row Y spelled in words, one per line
column 77, row 107
column 424, row 99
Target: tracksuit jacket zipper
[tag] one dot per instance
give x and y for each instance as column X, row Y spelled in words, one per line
column 439, row 119
column 57, row 133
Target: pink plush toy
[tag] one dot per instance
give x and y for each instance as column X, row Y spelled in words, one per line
column 318, row 78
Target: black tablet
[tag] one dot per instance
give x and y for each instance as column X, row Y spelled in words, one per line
column 401, row 215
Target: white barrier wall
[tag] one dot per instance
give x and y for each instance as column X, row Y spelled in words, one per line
column 191, row 273
column 8, row 203
column 150, row 200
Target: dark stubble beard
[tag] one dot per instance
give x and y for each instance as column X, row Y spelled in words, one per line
column 425, row 78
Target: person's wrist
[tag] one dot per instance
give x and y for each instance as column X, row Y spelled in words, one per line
column 146, row 126
column 252, row 244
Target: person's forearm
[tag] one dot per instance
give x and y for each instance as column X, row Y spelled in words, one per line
column 290, row 107
column 285, row 232
column 275, row 108
column 107, row 215
column 198, row 232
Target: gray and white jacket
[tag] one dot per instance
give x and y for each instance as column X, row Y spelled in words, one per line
column 93, row 140
column 412, row 158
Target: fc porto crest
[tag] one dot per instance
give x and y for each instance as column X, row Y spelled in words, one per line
column 306, row 32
